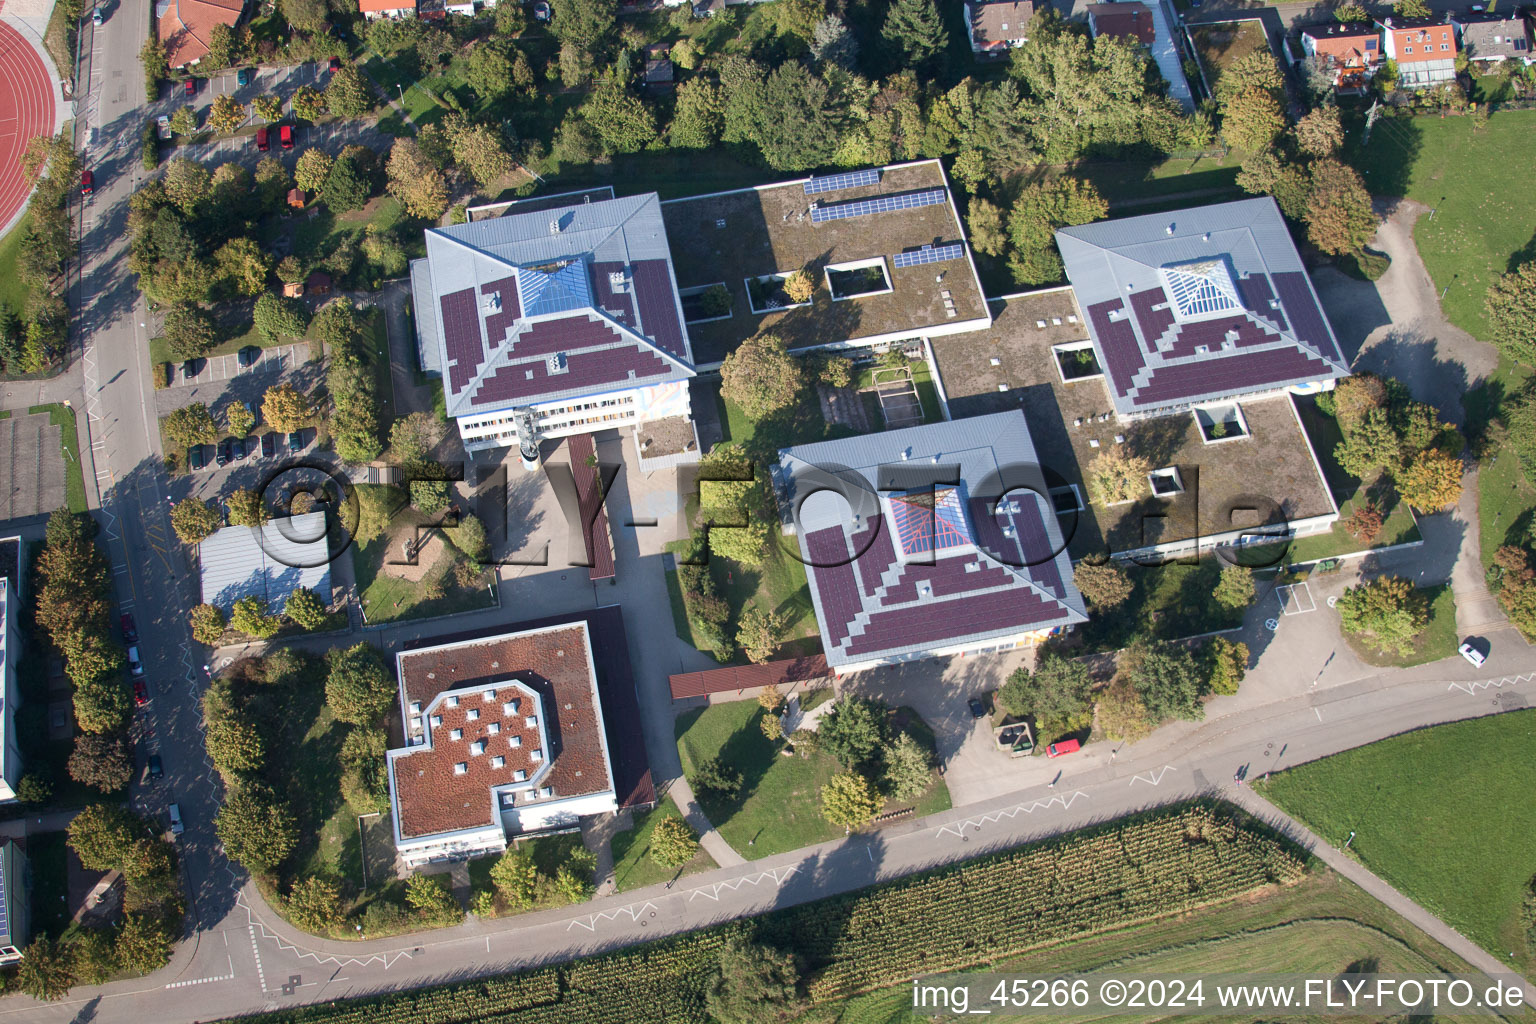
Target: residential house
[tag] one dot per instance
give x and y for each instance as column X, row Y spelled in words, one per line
column 1487, row 36
column 928, row 541
column 10, row 691
column 997, row 26
column 15, row 915
column 659, row 73
column 1424, row 48
column 185, row 26
column 553, row 319
column 1148, row 25
column 373, row 10
column 525, row 730
column 1349, row 53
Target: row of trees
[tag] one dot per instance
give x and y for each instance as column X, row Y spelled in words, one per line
column 879, row 763
column 32, row 339
column 74, row 612
column 1386, row 432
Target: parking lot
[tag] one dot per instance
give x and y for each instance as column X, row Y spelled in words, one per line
column 217, row 368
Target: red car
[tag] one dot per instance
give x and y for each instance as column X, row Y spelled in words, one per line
column 140, row 692
column 1064, row 747
column 335, row 63
column 87, row 183
column 130, row 633
column 263, row 140
column 191, row 87
column 285, row 135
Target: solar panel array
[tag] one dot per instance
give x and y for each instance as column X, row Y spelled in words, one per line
column 879, row 204
column 928, row 254
column 850, row 179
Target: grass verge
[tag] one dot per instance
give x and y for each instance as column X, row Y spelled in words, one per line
column 63, row 417
column 633, row 867
column 1437, row 641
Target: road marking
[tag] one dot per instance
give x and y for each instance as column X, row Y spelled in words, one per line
column 1316, row 712
column 1470, row 689
column 633, row 912
column 958, row 830
column 713, row 891
column 203, row 981
column 1153, row 778
column 1291, row 596
column 386, row 959
column 261, row 975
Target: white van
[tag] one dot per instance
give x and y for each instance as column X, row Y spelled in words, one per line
column 177, row 828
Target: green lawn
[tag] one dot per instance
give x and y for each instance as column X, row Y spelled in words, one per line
column 633, row 867
column 780, row 586
column 63, row 417
column 388, row 598
column 13, row 290
column 1444, row 814
column 1437, row 641
column 1168, row 601
column 48, row 864
column 1132, row 180
column 779, row 806
column 1477, row 231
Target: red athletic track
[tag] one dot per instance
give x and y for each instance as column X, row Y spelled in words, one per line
column 26, row 109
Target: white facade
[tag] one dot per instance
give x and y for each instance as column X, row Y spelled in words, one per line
column 403, row 10
column 583, row 415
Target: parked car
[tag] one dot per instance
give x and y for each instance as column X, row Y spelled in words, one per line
column 978, row 709
column 263, row 140
column 177, row 828
column 285, row 136
column 237, row 447
column 1062, row 747
column 140, row 692
column 96, row 16
column 296, row 441
column 130, row 634
column 189, row 369
column 1471, row 653
column 243, row 76
column 156, row 769
column 191, row 87
column 541, row 11
column 163, row 123
column 87, row 182
column 335, row 63
column 195, row 457
column 247, row 356
column 268, row 445
column 135, row 666
column 222, row 456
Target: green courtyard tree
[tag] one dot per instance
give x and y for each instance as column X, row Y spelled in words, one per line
column 673, row 843
column 760, row 634
column 1116, row 476
column 1104, row 584
column 346, row 94
column 1168, row 679
column 1226, row 663
column 469, row 537
column 314, row 904
column 848, row 799
column 1235, row 587
column 194, row 520
column 189, row 330
column 103, row 834
column 1039, row 211
column 761, row 376
column 1056, row 693
column 1388, row 612
column 1511, row 310
column 908, row 769
column 854, row 730
column 1431, row 480
column 249, row 616
column 257, row 830
column 208, row 624
column 429, row 497
column 1370, row 445
column 357, row 686
column 101, row 762
column 285, row 408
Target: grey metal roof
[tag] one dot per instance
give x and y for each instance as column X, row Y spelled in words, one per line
column 270, row 562
column 989, row 457
column 1109, row 261
column 429, row 338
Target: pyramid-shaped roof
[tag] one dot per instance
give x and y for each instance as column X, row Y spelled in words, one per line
column 1198, row 305
column 550, row 305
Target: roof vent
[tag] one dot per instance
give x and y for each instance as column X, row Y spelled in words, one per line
column 1205, row 237
column 554, row 226
column 1169, row 229
column 1232, row 336
column 493, row 302
column 904, row 453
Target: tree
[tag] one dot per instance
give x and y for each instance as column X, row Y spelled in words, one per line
column 760, row 634
column 102, row 705
column 699, row 116
column 245, row 508
column 585, row 29
column 268, row 109
column 914, row 33
column 1356, row 395
column 510, row 20
column 234, row 743
column 226, row 116
column 908, row 769
column 189, row 331
column 516, row 878
column 1115, row 476
column 761, row 376
column 1168, row 680
column 311, row 169
column 1410, row 9
column 381, row 249
column 243, row 264
column 795, row 127
column 715, row 778
column 413, row 438
column 772, row 726
column 285, row 408
column 1388, row 611
column 623, row 122
column 756, row 984
column 989, row 233
column 1226, row 664
column 429, row 497
column 249, row 616
column 1365, row 523
column 1350, row 12
column 102, row 836
column 208, row 624
column 143, row 944
column 1252, row 119
column 186, row 184
column 240, row 418
column 854, row 730
column 769, row 698
column 1339, row 216
column 1257, row 70
column 481, row 150
column 469, row 537
column 1056, row 693
column 257, row 830
column 1320, row 133
column 849, row 800
column 1511, row 310
column 346, row 94
column 44, row 972
column 1431, row 480
column 276, row 318
column 307, row 104
column 314, row 904
column 673, row 843
column 101, row 762
column 832, row 43
column 1371, row 444
column 1104, row 584
column 194, row 520
column 1040, row 210
column 308, row 16
column 1121, row 714
column 191, row 424
column 416, row 181
column 1235, row 588
column 574, row 884
column 157, row 63
column 184, row 122
column 357, row 687
column 489, row 69
column 345, row 188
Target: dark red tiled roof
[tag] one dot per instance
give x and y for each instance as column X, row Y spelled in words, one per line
column 745, row 677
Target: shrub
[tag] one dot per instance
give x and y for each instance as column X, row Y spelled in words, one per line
column 673, row 843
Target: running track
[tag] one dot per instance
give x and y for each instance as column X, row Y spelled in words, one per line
column 26, row 109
